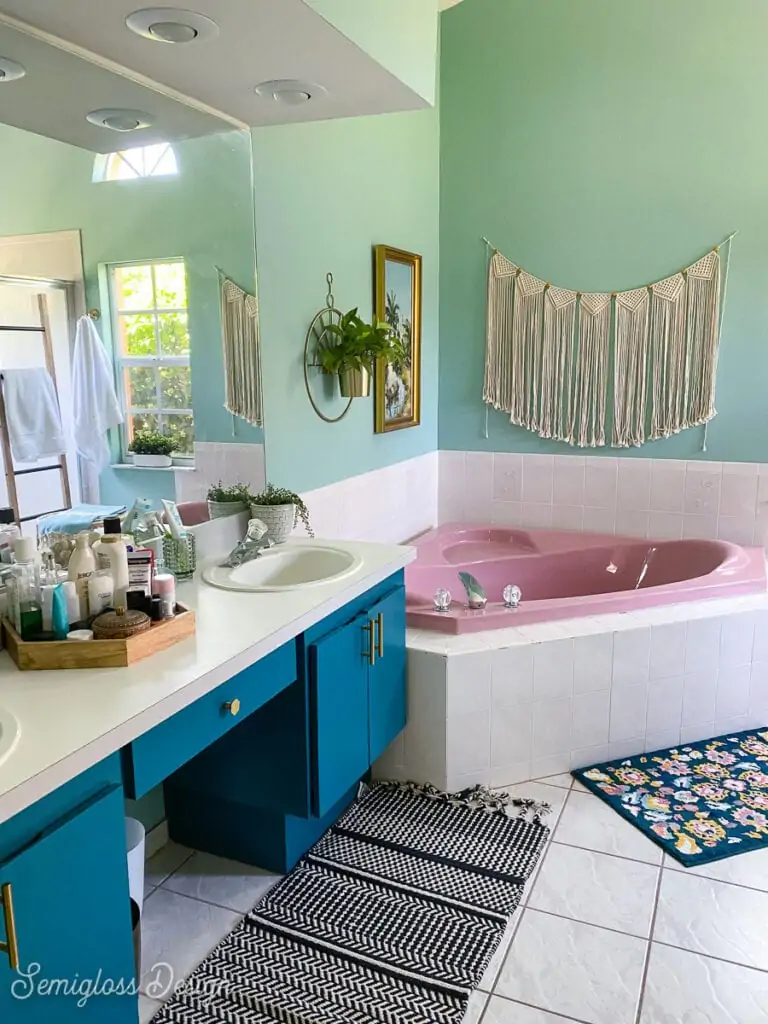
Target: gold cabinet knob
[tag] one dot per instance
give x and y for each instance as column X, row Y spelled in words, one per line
column 233, row 707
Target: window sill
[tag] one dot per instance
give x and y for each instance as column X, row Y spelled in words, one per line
column 153, row 469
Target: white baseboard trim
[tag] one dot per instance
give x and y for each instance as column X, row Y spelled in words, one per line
column 156, row 839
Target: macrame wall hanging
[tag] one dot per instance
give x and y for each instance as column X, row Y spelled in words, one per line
column 242, row 356
column 548, row 352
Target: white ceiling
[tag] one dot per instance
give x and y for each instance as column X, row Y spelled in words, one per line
column 59, row 89
column 258, row 40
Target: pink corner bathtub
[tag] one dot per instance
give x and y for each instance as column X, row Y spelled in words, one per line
column 566, row 575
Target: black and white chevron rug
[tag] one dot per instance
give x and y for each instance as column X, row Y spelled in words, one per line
column 391, row 918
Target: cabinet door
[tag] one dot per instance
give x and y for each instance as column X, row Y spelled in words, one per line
column 338, row 667
column 387, row 694
column 72, row 913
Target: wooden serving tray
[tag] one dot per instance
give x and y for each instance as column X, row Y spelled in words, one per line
column 50, row 654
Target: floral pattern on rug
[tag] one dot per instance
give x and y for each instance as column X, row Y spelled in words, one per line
column 700, row 802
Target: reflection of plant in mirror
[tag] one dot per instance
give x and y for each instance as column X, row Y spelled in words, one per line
column 357, row 345
column 272, row 495
column 149, row 443
column 237, row 492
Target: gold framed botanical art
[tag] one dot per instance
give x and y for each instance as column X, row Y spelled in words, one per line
column 398, row 303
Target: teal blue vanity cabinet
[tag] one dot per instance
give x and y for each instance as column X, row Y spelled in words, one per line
column 264, row 793
column 66, row 953
column 357, row 692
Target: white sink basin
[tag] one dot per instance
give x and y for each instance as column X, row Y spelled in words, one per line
column 9, row 733
column 285, row 568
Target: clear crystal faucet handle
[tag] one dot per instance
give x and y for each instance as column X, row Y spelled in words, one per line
column 512, row 596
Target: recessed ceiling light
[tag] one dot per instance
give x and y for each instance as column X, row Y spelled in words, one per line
column 289, row 91
column 10, row 71
column 120, row 120
column 172, row 25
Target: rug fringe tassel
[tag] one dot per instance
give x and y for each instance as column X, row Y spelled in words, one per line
column 478, row 798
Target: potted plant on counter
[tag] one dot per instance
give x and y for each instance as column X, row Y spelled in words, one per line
column 228, row 501
column 152, row 450
column 279, row 509
column 352, row 350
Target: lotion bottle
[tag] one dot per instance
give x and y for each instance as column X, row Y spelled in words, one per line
column 82, row 565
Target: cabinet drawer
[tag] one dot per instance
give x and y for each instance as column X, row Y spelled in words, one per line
column 157, row 754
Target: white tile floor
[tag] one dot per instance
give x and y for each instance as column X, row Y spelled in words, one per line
column 609, row 931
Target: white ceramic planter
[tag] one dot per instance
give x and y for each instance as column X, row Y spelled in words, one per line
column 279, row 520
column 152, row 461
column 221, row 509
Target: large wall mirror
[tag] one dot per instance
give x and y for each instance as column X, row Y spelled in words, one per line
column 142, row 228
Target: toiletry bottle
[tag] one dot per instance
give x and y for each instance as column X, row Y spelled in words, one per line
column 82, row 565
column 28, row 612
column 9, row 533
column 100, row 592
column 73, row 602
column 164, row 585
column 113, row 548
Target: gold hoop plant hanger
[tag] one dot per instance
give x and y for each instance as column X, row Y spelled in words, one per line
column 318, row 339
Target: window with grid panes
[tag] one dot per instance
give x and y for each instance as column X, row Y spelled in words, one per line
column 151, row 329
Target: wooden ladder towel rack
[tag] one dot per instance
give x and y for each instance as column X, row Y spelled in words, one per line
column 5, row 442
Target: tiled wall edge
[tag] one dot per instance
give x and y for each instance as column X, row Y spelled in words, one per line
column 665, row 499
column 230, row 462
column 389, row 505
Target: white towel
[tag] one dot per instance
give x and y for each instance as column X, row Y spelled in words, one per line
column 32, row 410
column 96, row 408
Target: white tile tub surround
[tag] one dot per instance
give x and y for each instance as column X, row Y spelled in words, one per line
column 387, row 505
column 504, row 706
column 231, row 463
column 666, row 499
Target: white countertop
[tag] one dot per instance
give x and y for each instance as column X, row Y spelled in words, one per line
column 71, row 720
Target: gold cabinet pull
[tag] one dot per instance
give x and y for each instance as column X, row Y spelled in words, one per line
column 233, row 707
column 11, row 946
column 380, row 621
column 370, row 629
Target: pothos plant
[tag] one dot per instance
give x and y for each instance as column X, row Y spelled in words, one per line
column 272, row 495
column 355, row 344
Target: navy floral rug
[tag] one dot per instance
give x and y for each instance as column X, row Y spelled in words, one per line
column 700, row 802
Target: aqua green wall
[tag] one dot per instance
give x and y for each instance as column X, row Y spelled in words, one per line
column 400, row 34
column 204, row 215
column 602, row 145
column 325, row 194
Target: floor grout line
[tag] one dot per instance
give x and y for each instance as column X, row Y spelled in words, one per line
column 588, row 924
column 534, row 1006
column 208, row 903
column 647, row 961
column 606, row 853
column 711, row 956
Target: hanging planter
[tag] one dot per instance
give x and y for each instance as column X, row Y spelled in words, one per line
column 351, row 349
column 355, row 382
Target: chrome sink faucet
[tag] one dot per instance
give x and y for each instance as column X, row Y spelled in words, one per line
column 256, row 540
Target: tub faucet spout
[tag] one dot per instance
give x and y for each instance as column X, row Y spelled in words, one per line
column 475, row 594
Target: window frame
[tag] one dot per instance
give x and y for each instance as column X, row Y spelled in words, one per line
column 104, row 161
column 123, row 362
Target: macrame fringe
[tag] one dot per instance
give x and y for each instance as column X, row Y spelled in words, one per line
column 526, row 350
column 476, row 798
column 497, row 387
column 590, row 375
column 556, row 362
column 630, row 386
column 552, row 377
column 703, row 327
column 242, row 358
column 667, row 347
